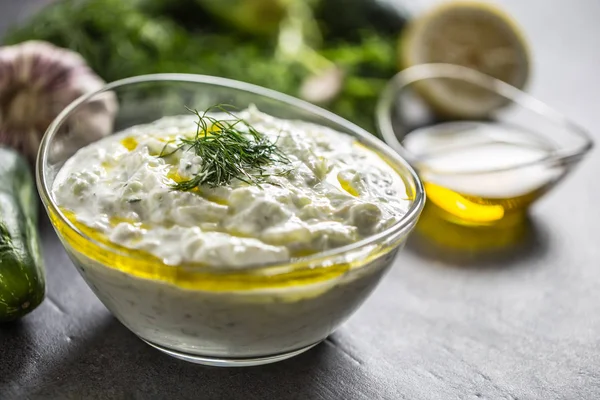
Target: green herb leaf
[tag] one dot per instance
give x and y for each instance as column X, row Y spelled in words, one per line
column 230, row 148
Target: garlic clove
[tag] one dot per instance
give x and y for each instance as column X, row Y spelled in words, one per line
column 37, row 81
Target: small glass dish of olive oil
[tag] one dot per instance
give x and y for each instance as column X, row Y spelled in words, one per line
column 487, row 165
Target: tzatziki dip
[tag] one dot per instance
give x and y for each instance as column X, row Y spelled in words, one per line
column 331, row 192
column 223, row 195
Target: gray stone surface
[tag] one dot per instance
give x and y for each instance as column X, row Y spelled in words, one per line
column 524, row 325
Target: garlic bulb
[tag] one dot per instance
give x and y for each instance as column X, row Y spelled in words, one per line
column 37, row 81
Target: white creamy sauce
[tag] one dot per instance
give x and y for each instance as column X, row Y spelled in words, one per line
column 337, row 192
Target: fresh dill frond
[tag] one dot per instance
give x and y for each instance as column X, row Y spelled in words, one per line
column 230, row 148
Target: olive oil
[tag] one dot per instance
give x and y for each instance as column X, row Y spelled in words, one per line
column 482, row 174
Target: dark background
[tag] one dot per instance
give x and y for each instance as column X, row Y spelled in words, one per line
column 521, row 325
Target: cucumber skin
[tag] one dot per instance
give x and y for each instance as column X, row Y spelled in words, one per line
column 346, row 20
column 22, row 276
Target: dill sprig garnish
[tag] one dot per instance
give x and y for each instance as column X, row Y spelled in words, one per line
column 230, row 148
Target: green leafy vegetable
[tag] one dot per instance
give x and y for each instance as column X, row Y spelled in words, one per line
column 126, row 38
column 230, row 148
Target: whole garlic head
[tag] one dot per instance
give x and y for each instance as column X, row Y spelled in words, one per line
column 37, row 81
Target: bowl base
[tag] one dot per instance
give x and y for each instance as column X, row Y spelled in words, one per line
column 230, row 362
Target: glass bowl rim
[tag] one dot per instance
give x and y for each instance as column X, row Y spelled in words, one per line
column 422, row 72
column 373, row 142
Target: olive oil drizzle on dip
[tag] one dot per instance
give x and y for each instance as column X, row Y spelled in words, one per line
column 229, row 189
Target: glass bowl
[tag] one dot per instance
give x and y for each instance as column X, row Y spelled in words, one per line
column 483, row 169
column 220, row 316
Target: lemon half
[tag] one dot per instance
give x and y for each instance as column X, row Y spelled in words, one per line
column 471, row 34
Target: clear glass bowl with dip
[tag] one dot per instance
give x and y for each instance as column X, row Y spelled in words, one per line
column 221, row 315
column 499, row 151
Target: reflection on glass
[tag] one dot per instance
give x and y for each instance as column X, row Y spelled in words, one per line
column 439, row 229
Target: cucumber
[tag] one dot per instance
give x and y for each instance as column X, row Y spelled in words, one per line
column 257, row 17
column 22, row 277
column 346, row 20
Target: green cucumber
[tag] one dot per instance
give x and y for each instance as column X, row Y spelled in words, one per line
column 22, row 278
column 347, row 20
column 257, row 17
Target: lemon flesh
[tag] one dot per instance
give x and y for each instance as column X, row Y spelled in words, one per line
column 474, row 35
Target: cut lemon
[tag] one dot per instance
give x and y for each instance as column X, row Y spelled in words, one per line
column 471, row 34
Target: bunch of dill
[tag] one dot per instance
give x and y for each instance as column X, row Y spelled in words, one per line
column 126, row 38
column 230, row 148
